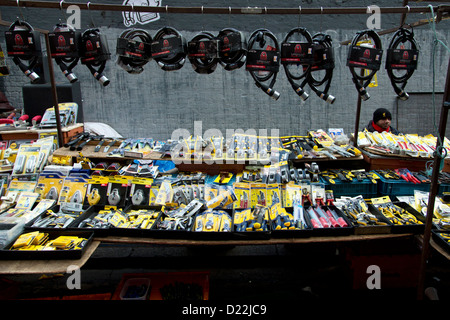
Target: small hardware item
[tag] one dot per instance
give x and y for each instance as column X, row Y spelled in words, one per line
column 77, row 197
column 19, row 164
column 114, row 197
column 134, row 50
column 65, row 43
column 169, row 49
column 203, row 52
column 402, row 55
column 365, row 53
column 263, row 60
column 138, row 197
column 23, row 44
column 52, row 194
column 232, row 49
column 297, row 58
column 94, row 197
column 95, row 53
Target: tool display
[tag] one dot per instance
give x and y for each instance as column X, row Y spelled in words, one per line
column 365, row 53
column 95, row 53
column 65, row 44
column 134, row 50
column 169, row 49
column 263, row 60
column 23, row 44
column 402, row 55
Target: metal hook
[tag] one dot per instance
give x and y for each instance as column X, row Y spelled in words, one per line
column 62, row 11
column 299, row 14
column 321, row 18
column 265, row 14
column 90, row 16
column 20, row 10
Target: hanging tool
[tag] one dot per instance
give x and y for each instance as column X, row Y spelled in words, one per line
column 95, row 53
column 169, row 49
column 323, row 60
column 263, row 60
column 24, row 46
column 232, row 49
column 134, row 50
column 297, row 54
column 65, row 43
column 203, row 52
column 365, row 52
column 399, row 57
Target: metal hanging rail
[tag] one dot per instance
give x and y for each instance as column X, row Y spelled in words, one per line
column 217, row 10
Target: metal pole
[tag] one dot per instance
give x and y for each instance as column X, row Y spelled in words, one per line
column 54, row 91
column 434, row 187
column 212, row 10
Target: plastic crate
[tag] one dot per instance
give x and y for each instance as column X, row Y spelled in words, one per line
column 400, row 187
column 354, row 188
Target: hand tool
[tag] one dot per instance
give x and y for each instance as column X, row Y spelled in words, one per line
column 106, row 149
column 90, row 138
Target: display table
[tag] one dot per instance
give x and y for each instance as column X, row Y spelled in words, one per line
column 378, row 162
column 34, row 134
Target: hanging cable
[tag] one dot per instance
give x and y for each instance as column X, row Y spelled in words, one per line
column 23, row 45
column 263, row 60
column 297, row 57
column 203, row 52
column 95, row 54
column 233, row 49
column 65, row 45
column 365, row 52
column 323, row 60
column 134, row 50
column 169, row 49
column 402, row 54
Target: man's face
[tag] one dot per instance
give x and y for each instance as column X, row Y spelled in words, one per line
column 384, row 123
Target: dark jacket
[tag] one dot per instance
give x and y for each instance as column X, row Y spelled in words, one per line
column 370, row 128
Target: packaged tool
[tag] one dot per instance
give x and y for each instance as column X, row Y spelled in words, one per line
column 213, row 221
column 65, row 44
column 23, row 45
